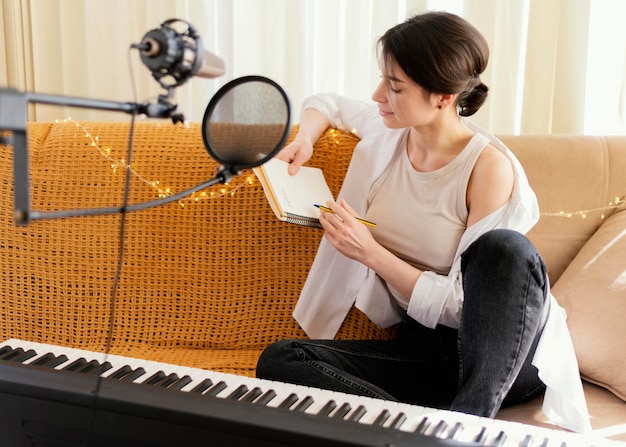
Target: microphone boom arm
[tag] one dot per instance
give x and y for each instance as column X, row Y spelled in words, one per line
column 13, row 119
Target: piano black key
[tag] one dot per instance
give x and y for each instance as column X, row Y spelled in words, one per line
column 121, row 372
column 89, row 367
column 238, row 392
column 180, row 383
column 252, row 394
column 342, row 411
column 9, row 352
column 455, row 431
column 102, row 369
column 382, row 417
column 266, row 398
column 304, row 404
column 75, row 365
column 439, row 429
column 57, row 361
column 500, row 439
column 202, row 386
column 327, row 408
column 133, row 375
column 357, row 414
column 289, row 401
column 481, row 436
column 17, row 355
column 161, row 379
column 21, row 358
column 154, row 378
column 166, row 381
column 398, row 421
column 527, row 441
column 216, row 389
column 44, row 359
column 422, row 426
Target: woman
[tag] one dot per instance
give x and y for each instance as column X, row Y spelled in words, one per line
column 447, row 260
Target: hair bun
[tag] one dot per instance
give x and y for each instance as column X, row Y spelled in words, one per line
column 469, row 102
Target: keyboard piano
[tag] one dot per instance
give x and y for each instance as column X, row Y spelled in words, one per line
column 47, row 398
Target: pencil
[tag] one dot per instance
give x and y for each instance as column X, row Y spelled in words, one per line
column 363, row 221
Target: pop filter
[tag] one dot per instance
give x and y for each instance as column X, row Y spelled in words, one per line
column 246, row 122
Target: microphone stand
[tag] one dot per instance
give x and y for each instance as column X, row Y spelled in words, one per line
column 13, row 132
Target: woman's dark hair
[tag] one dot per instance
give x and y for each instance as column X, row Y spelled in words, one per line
column 443, row 53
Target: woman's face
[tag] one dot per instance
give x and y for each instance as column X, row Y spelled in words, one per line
column 402, row 102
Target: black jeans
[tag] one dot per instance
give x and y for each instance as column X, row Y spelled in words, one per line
column 477, row 369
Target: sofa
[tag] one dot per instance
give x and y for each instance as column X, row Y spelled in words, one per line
column 209, row 280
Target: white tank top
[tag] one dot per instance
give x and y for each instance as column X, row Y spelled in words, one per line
column 421, row 216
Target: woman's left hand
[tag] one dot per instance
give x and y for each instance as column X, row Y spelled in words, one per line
column 346, row 233
column 354, row 240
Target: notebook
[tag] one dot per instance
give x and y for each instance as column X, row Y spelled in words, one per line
column 293, row 197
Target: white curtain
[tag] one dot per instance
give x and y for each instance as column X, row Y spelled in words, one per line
column 556, row 66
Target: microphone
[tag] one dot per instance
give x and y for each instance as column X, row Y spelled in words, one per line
column 174, row 57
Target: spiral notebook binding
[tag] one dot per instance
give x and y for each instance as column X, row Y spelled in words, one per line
column 302, row 220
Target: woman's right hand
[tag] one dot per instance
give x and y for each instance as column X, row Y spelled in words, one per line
column 296, row 153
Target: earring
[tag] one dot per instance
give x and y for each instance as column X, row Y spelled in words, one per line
column 439, row 106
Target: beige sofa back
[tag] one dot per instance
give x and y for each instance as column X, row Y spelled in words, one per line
column 580, row 177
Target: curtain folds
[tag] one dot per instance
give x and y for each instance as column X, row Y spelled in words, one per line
column 545, row 67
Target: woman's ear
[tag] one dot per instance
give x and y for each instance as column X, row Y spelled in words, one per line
column 445, row 100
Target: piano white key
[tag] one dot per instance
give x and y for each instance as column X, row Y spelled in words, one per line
column 282, row 390
column 386, row 413
column 115, row 367
column 197, row 376
column 321, row 398
column 499, row 434
column 346, row 404
column 150, row 369
column 414, row 415
column 374, row 408
column 357, row 413
column 231, row 385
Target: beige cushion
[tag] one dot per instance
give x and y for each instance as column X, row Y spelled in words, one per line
column 593, row 292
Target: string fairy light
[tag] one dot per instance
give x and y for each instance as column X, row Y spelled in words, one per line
column 332, row 135
column 618, row 202
column 162, row 191
column 225, row 190
column 229, row 190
